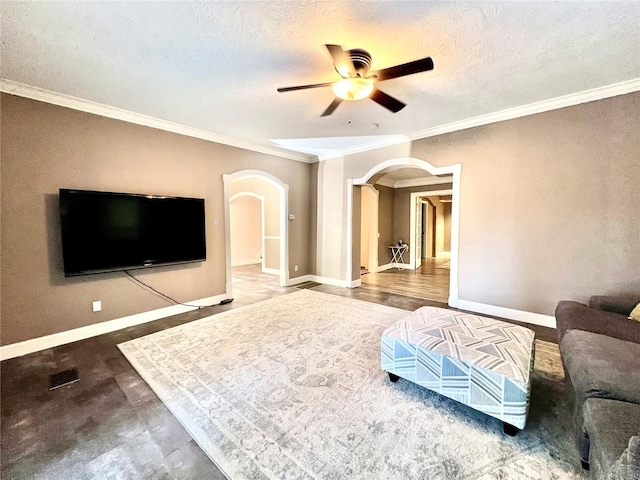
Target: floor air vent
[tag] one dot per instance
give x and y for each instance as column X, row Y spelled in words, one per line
column 66, row 377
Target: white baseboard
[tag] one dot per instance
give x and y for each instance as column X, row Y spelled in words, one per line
column 329, row 281
column 61, row 338
column 271, row 271
column 509, row 313
column 298, row 280
column 246, row 262
column 324, row 280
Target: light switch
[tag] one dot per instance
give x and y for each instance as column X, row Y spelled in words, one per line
column 97, row 306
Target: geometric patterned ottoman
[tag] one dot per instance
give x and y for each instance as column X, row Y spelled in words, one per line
column 478, row 361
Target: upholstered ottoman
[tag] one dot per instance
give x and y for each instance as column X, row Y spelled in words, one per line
column 478, row 361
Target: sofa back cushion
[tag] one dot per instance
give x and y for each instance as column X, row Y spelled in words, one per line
column 616, row 304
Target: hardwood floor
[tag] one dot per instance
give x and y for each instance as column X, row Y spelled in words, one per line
column 110, row 424
column 430, row 281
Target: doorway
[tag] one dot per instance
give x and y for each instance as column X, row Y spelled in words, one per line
column 427, row 273
column 274, row 259
column 423, row 240
column 247, row 229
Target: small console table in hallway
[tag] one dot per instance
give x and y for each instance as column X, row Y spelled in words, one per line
column 398, row 252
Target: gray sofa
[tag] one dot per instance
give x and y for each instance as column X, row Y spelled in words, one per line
column 600, row 349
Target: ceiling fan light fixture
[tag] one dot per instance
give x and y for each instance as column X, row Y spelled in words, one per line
column 353, row 88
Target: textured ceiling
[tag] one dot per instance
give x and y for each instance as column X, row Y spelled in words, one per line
column 216, row 65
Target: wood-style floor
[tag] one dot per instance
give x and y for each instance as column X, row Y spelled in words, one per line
column 110, row 424
column 430, row 281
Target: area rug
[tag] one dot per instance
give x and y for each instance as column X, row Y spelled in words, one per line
column 291, row 388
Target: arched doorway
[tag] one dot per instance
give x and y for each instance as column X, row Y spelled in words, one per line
column 398, row 163
column 283, row 198
column 247, row 227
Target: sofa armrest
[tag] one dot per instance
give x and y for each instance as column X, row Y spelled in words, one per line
column 576, row 316
column 615, row 304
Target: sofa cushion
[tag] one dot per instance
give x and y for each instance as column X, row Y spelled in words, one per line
column 576, row 316
column 601, row 367
column 610, row 425
column 618, row 304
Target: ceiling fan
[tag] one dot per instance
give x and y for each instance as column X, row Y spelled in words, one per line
column 358, row 83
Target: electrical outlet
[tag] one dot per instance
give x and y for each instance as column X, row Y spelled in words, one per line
column 295, row 268
column 97, row 306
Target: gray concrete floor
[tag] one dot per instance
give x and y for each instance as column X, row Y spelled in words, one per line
column 110, row 424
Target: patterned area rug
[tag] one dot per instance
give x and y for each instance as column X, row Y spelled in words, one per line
column 292, row 388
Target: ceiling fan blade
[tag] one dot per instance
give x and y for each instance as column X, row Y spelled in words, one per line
column 303, row 87
column 342, row 61
column 410, row 68
column 330, row 109
column 387, row 101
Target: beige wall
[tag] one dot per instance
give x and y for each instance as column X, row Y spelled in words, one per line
column 369, row 228
column 548, row 205
column 331, row 257
column 429, row 231
column 385, row 224
column 313, row 217
column 446, row 217
column 272, row 215
column 365, row 221
column 355, row 225
column 402, row 214
column 440, row 225
column 246, row 230
column 46, row 147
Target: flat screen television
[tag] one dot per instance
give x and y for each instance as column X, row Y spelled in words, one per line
column 106, row 232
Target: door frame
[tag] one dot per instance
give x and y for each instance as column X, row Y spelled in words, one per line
column 421, row 205
column 283, row 191
column 415, row 197
column 396, row 163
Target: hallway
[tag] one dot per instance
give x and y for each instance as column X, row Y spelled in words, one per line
column 430, row 281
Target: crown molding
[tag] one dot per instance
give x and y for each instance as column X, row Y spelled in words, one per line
column 47, row 96
column 365, row 147
column 570, row 100
column 585, row 96
column 27, row 91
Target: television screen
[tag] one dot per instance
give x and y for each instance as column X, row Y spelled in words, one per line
column 105, row 232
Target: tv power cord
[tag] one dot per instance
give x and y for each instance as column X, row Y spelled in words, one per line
column 167, row 297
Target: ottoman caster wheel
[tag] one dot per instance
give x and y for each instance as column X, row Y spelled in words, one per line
column 509, row 429
column 393, row 378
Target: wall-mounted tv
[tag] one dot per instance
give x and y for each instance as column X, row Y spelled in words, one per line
column 106, row 232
